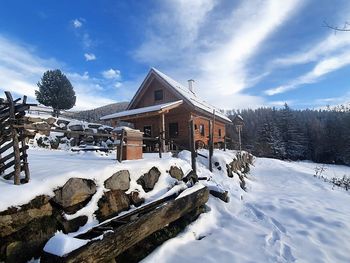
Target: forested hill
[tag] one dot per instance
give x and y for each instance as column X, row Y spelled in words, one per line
column 318, row 135
column 94, row 115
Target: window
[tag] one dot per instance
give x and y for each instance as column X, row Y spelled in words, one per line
column 158, row 94
column 219, row 133
column 173, row 130
column 201, row 129
column 195, row 127
column 147, row 130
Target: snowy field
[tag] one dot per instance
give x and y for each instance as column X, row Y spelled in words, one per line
column 286, row 215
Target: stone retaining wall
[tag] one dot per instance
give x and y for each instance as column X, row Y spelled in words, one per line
column 25, row 230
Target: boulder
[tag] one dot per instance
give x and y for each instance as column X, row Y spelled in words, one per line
column 89, row 140
column 42, row 125
column 94, row 125
column 111, row 204
column 176, row 172
column 135, row 198
column 89, row 130
column 14, row 219
column 76, row 127
column 223, row 195
column 229, row 170
column 148, row 180
column 51, row 120
column 73, row 225
column 74, row 194
column 118, row 181
column 34, row 119
column 61, row 121
column 191, row 177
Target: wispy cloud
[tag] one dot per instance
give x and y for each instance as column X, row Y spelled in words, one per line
column 323, row 67
column 89, row 56
column 215, row 45
column 328, row 55
column 21, row 68
column 329, row 45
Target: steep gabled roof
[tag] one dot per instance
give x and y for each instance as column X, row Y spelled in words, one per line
column 183, row 92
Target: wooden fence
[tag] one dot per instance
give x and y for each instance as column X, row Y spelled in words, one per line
column 13, row 150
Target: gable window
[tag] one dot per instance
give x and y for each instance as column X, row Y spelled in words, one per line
column 158, row 94
column 201, row 129
column 219, row 133
column 173, row 130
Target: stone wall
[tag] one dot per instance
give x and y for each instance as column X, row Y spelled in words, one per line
column 55, row 140
column 240, row 166
column 24, row 230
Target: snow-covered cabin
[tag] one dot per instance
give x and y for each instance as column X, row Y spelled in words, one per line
column 161, row 103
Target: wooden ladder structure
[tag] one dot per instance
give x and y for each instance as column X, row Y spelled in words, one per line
column 13, row 149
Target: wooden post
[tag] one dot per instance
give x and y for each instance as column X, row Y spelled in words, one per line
column 239, row 137
column 162, row 132
column 159, row 145
column 225, row 143
column 193, row 147
column 17, row 160
column 24, row 150
column 211, row 145
column 121, row 146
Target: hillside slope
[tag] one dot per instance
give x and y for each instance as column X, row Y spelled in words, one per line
column 287, row 215
column 94, row 115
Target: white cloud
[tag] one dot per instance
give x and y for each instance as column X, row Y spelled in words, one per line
column 77, row 23
column 111, row 74
column 89, row 56
column 331, row 44
column 118, row 84
column 323, row 67
column 21, row 69
column 215, row 45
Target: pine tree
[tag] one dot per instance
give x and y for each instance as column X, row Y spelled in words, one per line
column 56, row 91
column 292, row 135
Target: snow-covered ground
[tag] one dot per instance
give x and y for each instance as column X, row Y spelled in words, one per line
column 287, row 215
column 52, row 168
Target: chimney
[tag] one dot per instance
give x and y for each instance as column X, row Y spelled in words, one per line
column 190, row 85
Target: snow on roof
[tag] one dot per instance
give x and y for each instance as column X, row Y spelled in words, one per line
column 141, row 110
column 190, row 96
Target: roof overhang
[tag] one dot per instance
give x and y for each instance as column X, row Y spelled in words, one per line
column 143, row 112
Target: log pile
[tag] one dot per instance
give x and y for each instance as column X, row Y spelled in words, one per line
column 121, row 234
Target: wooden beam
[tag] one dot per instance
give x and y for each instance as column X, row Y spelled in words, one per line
column 162, row 132
column 114, row 243
column 120, row 150
column 11, row 155
column 192, row 146
column 211, row 145
column 17, row 157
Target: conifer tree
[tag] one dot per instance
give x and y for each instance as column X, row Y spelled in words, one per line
column 56, row 91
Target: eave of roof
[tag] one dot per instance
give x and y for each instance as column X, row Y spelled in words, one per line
column 139, row 111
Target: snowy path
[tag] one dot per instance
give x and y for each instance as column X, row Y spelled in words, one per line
column 287, row 215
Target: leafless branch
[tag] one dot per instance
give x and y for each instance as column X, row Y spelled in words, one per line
column 345, row 27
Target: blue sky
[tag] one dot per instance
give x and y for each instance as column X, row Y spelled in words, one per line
column 241, row 54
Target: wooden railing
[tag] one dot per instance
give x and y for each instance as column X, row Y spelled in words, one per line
column 12, row 139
